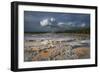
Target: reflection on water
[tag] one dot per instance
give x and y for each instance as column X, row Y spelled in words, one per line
column 56, row 46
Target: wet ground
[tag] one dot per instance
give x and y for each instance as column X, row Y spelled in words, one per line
column 56, row 46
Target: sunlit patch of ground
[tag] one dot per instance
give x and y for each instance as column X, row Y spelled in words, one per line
column 82, row 52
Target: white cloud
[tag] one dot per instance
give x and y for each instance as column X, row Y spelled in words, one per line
column 60, row 23
column 52, row 19
column 83, row 25
column 70, row 23
column 44, row 22
column 66, row 24
column 47, row 21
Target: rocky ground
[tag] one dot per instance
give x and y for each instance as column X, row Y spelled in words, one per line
column 43, row 50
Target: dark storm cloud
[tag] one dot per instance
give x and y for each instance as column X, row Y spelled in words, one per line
column 52, row 21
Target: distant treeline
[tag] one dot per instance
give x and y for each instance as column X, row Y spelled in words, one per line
column 79, row 30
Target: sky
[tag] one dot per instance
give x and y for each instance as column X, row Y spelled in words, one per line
column 35, row 21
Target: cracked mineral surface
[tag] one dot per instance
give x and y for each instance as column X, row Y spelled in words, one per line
column 62, row 46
